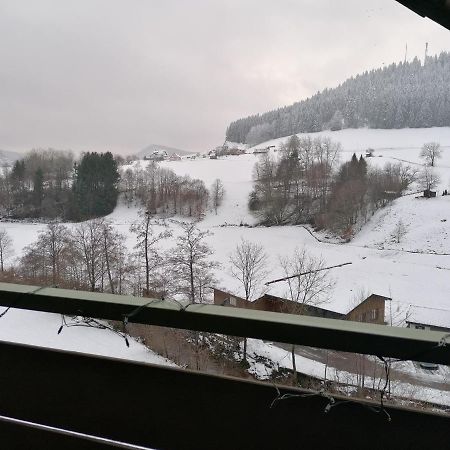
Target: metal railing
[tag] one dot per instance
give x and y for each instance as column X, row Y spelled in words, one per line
column 91, row 401
column 342, row 335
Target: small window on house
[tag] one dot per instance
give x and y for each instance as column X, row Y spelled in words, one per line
column 374, row 314
column 232, row 301
column 419, row 327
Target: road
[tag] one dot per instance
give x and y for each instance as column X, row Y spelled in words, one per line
column 352, row 363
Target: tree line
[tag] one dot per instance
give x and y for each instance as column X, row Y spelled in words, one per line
column 92, row 255
column 161, row 191
column 308, row 184
column 52, row 184
column 165, row 262
column 407, row 94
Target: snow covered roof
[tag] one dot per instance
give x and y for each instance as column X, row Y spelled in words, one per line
column 429, row 316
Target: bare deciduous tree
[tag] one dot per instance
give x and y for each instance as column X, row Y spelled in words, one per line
column 248, row 265
column 6, row 248
column 88, row 240
column 428, row 178
column 217, row 194
column 147, row 240
column 430, row 152
column 113, row 255
column 192, row 268
column 311, row 288
column 45, row 259
column 399, row 231
column 191, row 262
column 54, row 241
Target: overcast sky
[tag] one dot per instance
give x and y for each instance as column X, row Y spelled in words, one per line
column 119, row 75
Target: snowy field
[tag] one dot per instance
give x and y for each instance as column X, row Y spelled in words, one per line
column 378, row 265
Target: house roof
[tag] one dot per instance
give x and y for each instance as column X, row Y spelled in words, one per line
column 429, row 316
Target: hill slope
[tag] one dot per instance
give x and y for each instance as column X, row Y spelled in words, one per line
column 398, row 96
column 8, row 157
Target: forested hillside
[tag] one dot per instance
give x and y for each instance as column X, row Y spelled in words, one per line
column 401, row 95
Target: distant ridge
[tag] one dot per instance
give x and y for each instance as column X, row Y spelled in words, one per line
column 170, row 150
column 9, row 157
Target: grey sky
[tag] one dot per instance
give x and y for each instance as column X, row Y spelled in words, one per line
column 118, row 75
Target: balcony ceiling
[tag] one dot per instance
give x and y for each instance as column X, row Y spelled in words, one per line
column 436, row 10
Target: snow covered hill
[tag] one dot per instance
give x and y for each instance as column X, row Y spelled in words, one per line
column 379, row 265
column 360, row 139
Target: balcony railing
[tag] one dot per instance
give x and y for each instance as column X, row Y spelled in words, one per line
column 159, row 407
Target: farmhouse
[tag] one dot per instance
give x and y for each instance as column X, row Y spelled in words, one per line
column 157, row 155
column 263, row 151
column 370, row 310
column 422, row 318
column 428, row 193
column 278, row 304
column 224, row 298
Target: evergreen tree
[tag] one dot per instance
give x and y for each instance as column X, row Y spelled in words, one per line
column 38, row 188
column 362, row 167
column 95, row 185
column 18, row 177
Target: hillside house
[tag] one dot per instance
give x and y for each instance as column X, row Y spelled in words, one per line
column 157, row 155
column 278, row 304
column 421, row 318
column 428, row 193
column 260, row 151
column 391, row 195
column 370, row 310
column 224, row 298
column 263, row 151
column 273, row 303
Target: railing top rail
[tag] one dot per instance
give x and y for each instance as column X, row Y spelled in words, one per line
column 342, row 335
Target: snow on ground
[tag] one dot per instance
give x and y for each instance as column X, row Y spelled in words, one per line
column 427, row 224
column 379, row 265
column 283, row 359
column 41, row 329
column 236, row 175
column 359, row 140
